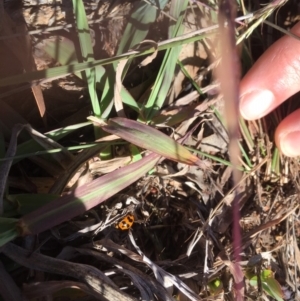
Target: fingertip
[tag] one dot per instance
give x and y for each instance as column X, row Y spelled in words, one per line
column 287, row 135
column 256, row 103
column 276, row 71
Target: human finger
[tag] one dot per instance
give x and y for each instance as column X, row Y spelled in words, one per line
column 273, row 78
column 287, row 135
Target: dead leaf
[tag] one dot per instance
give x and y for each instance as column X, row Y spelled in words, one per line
column 118, row 87
column 150, row 57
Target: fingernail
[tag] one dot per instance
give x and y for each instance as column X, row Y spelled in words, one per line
column 256, row 104
column 290, row 144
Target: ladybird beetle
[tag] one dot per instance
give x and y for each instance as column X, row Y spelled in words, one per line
column 126, row 223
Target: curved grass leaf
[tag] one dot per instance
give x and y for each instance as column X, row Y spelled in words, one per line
column 149, row 138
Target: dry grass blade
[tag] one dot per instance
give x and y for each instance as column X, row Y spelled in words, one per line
column 81, row 159
column 214, row 213
column 149, row 283
column 163, row 277
column 150, row 57
column 39, row 99
column 117, row 89
column 146, row 292
column 49, row 288
column 64, row 158
column 269, row 224
column 85, row 273
column 107, row 166
column 145, row 289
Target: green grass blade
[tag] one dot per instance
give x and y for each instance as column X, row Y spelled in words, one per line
column 246, row 134
column 142, row 17
column 191, row 80
column 87, row 52
column 57, row 150
column 56, row 72
column 214, row 158
column 63, row 51
column 166, row 72
column 8, row 230
column 32, row 146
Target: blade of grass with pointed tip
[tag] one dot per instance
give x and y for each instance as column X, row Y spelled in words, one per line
column 149, row 138
column 58, row 150
column 214, row 158
column 191, row 80
column 166, row 72
column 32, row 146
column 87, row 52
column 85, row 197
column 275, row 169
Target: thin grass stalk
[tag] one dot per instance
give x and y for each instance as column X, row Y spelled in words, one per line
column 228, row 74
column 57, row 72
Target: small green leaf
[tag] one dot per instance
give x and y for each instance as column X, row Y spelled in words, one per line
column 269, row 284
column 86, row 46
column 215, row 286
